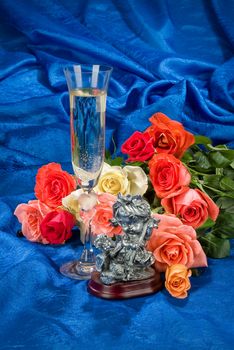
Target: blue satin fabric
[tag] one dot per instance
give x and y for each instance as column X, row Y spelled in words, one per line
column 170, row 56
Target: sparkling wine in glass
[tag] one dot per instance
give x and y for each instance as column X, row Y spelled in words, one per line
column 87, row 86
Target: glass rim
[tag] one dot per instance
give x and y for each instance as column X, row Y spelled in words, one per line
column 89, row 67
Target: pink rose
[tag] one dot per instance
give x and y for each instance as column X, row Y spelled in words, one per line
column 101, row 221
column 30, row 216
column 193, row 206
column 174, row 243
column 100, row 216
column 102, row 199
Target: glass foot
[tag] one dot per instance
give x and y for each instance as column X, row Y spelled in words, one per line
column 78, row 270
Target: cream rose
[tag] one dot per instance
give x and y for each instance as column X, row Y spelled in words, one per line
column 138, row 181
column 127, row 180
column 79, row 200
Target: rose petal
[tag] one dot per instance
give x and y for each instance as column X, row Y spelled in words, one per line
column 138, row 180
column 212, row 207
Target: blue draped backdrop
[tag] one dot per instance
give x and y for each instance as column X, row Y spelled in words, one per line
column 170, row 56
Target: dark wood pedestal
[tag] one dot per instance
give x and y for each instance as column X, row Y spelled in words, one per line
column 124, row 290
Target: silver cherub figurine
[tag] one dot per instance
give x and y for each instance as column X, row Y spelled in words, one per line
column 126, row 258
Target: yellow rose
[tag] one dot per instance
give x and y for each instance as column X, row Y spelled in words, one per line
column 128, row 180
column 112, row 180
column 177, row 280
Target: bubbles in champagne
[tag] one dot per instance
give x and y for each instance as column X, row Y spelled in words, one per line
column 88, row 107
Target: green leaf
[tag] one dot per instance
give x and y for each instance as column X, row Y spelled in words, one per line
column 229, row 172
column 202, row 161
column 196, row 272
column 209, row 223
column 212, row 181
column 158, row 210
column 224, row 227
column 202, row 140
column 229, row 154
column 223, row 232
column 202, row 230
column 136, row 163
column 218, row 192
column 218, row 148
column 219, row 171
column 218, row 160
column 227, row 184
column 187, row 157
column 214, row 246
column 224, row 150
column 107, row 154
column 226, row 203
column 196, row 183
column 118, row 161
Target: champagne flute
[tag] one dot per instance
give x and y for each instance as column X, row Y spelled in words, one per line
column 87, row 85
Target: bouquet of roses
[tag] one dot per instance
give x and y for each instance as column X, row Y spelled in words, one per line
column 188, row 182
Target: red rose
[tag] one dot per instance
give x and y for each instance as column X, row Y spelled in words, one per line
column 168, row 175
column 139, row 147
column 169, row 135
column 193, row 206
column 56, row 226
column 53, row 184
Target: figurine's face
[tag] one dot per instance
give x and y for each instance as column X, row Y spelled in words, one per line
column 131, row 225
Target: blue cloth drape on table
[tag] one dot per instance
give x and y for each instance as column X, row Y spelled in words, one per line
column 170, row 56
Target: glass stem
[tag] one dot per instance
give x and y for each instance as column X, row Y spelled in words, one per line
column 88, row 255
column 88, row 238
column 88, row 246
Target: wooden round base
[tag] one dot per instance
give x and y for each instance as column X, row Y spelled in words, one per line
column 124, row 290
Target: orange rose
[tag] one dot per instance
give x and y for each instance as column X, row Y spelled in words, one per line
column 169, row 135
column 177, row 280
column 174, row 243
column 193, row 206
column 52, row 184
column 168, row 175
